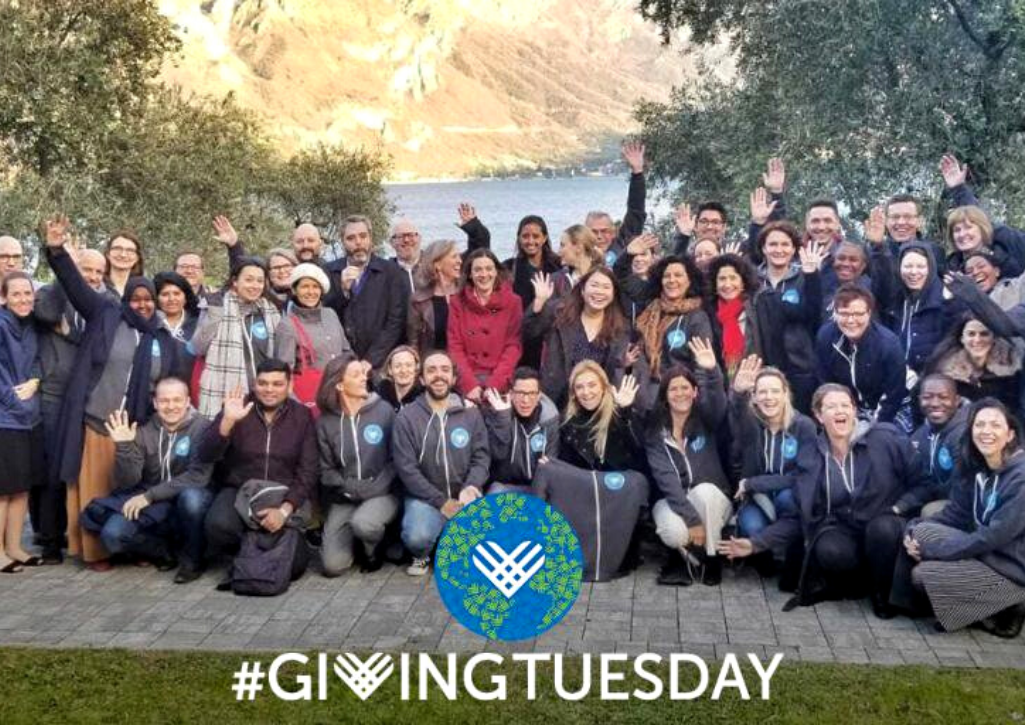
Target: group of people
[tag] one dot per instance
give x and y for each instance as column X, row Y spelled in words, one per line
column 843, row 413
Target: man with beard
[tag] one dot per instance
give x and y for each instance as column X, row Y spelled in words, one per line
column 856, row 351
column 523, row 429
column 369, row 294
column 270, row 437
column 307, row 244
column 159, row 485
column 440, row 451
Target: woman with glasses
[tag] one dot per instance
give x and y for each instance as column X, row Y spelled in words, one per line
column 124, row 259
column 280, row 263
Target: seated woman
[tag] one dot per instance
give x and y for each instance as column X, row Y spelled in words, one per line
column 356, row 474
column 400, row 378
column 772, row 445
column 789, row 305
column 235, row 336
column 310, row 335
column 595, row 481
column 484, row 327
column 673, row 312
column 849, row 499
column 683, row 453
column 587, row 324
column 438, row 281
column 972, row 554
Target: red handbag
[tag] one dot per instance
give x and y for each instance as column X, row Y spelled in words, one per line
column 306, row 376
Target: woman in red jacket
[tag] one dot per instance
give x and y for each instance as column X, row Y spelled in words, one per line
column 484, row 327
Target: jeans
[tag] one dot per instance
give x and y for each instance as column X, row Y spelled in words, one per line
column 190, row 512
column 752, row 518
column 121, row 536
column 421, row 527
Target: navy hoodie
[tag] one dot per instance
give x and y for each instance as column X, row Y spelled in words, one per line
column 517, row 445
column 873, row 368
column 939, row 450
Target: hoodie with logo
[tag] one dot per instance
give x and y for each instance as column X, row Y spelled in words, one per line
column 161, row 461
column 355, row 452
column 677, row 469
column 873, row 367
column 437, row 454
column 517, row 444
column 939, row 451
column 768, row 461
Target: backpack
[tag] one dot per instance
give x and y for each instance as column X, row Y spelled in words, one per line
column 268, row 563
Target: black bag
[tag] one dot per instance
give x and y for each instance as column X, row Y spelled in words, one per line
column 267, row 563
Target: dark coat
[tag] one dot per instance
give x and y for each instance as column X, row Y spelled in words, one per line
column 374, row 319
column 102, row 315
column 873, row 368
column 789, row 315
column 19, row 362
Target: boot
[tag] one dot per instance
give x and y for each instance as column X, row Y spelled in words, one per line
column 675, row 572
column 712, row 576
column 1007, row 624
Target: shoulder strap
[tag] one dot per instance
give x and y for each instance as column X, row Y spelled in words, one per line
column 305, row 344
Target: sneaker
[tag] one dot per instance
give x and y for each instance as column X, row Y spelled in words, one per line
column 419, row 567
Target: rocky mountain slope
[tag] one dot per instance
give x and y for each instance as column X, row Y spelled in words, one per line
column 448, row 88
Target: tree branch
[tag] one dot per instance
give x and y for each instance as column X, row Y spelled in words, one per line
column 962, row 19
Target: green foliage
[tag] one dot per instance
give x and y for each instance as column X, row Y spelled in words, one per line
column 861, row 99
column 86, row 129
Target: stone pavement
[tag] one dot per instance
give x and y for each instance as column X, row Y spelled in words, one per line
column 68, row 606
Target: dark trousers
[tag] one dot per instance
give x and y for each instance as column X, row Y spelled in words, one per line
column 223, row 526
column 47, row 499
column 848, row 560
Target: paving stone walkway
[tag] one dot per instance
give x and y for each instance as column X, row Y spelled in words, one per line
column 68, row 606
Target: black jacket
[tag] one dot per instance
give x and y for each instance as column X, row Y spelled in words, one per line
column 374, row 318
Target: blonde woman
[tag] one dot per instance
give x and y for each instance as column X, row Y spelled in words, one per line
column 400, row 377
column 438, row 278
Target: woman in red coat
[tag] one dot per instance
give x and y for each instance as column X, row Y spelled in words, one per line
column 484, row 327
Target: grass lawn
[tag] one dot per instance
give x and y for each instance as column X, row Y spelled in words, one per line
column 115, row 686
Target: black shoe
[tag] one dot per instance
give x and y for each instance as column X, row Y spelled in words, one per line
column 712, row 574
column 1008, row 623
column 186, row 574
column 314, row 537
column 371, row 562
column 675, row 572
column 882, row 608
column 165, row 563
column 224, row 585
column 52, row 558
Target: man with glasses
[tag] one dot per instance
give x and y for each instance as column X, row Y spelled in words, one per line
column 902, row 219
column 12, row 257
column 405, row 240
column 859, row 352
column 612, row 242
column 523, row 429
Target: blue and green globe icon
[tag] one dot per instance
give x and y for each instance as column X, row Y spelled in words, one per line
column 508, row 566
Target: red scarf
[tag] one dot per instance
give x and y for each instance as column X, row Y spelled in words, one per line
column 728, row 314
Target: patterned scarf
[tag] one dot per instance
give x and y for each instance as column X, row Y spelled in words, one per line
column 656, row 319
column 225, row 367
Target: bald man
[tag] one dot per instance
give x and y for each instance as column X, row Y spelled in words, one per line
column 61, row 329
column 307, row 244
column 12, row 256
column 405, row 240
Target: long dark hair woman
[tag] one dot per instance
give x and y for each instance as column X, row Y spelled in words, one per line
column 732, row 286
column 534, row 255
column 124, row 351
column 971, row 556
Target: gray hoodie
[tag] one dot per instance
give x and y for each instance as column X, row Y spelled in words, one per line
column 438, row 454
column 355, row 458
column 162, row 461
column 517, row 445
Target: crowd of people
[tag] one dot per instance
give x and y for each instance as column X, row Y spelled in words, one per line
column 840, row 412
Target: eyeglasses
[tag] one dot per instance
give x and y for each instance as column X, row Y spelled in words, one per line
column 404, row 237
column 188, row 267
column 527, row 393
column 281, row 267
column 11, row 257
column 711, row 223
column 852, row 314
column 901, row 217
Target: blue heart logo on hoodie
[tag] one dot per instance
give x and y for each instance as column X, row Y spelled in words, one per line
column 610, row 258
column 676, row 339
column 697, row 444
column 792, row 297
column 537, row 442
column 459, row 438
column 182, row 447
column 259, row 330
column 614, row 481
column 155, row 349
column 373, row 434
column 944, row 459
column 789, row 448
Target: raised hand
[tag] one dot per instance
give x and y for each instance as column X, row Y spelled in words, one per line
column 543, row 290
column 684, row 219
column 235, row 406
column 954, row 173
column 118, row 427
column 626, row 393
column 812, row 256
column 775, row 176
column 224, row 231
column 496, row 400
column 632, row 354
column 734, row 248
column 704, row 356
column 641, row 244
column 736, row 548
column 57, row 231
column 633, row 154
column 466, row 213
column 875, row 226
column 761, row 206
column 744, row 379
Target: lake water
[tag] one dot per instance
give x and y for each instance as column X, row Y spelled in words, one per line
column 501, row 203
